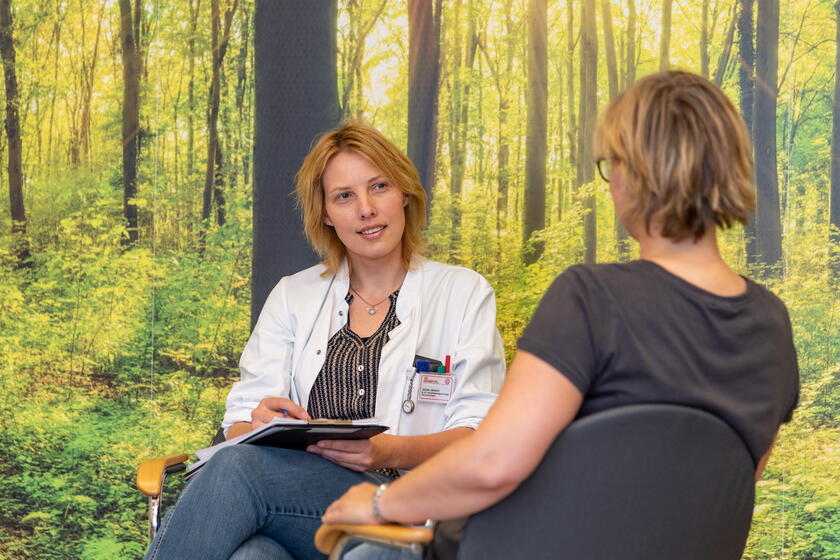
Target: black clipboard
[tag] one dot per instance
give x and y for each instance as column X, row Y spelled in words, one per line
column 292, row 434
column 300, row 436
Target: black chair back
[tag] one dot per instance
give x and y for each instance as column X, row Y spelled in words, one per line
column 642, row 482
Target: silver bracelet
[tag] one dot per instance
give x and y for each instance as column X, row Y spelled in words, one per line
column 374, row 502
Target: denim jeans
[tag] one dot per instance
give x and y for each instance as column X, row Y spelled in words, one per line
column 251, row 502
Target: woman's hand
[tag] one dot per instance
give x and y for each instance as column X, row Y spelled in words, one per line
column 355, row 506
column 274, row 407
column 359, row 454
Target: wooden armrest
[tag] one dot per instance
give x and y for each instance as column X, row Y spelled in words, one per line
column 150, row 473
column 328, row 535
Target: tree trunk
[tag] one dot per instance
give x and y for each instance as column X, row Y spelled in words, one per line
column 665, row 36
column 537, row 132
column 746, row 53
column 353, row 55
column 726, row 50
column 764, row 133
column 213, row 178
column 502, row 74
column 621, row 235
column 746, row 86
column 630, row 61
column 834, row 213
column 130, row 113
column 572, row 129
column 460, row 112
column 295, row 43
column 609, row 47
column 195, row 7
column 242, row 77
column 423, row 87
column 88, row 75
column 18, row 211
column 704, row 40
column 588, row 102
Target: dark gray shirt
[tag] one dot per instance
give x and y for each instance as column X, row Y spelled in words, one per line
column 634, row 333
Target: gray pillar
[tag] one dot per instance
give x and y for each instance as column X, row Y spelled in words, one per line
column 296, row 101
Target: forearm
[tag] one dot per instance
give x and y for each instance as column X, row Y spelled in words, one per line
column 481, row 469
column 409, row 451
column 456, row 483
column 238, row 429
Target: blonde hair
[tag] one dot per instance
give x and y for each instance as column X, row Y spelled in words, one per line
column 368, row 142
column 685, row 151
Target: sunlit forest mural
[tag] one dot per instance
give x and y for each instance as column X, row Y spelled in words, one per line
column 136, row 240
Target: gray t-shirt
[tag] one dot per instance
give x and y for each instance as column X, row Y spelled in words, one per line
column 634, row 333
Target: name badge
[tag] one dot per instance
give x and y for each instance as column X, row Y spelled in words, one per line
column 435, row 388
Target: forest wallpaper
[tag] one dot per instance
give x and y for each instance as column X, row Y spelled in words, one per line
column 128, row 226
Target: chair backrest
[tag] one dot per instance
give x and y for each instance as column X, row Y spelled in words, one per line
column 639, row 482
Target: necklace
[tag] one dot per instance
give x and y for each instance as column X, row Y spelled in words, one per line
column 371, row 306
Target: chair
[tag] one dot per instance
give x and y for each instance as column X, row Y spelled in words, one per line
column 639, row 482
column 151, row 477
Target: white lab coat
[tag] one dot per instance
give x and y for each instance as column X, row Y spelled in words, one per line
column 442, row 310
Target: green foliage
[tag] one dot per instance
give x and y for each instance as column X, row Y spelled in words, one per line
column 113, row 355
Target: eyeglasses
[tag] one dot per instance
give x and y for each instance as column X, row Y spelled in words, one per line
column 604, row 167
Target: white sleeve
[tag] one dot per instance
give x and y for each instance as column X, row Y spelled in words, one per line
column 479, row 361
column 266, row 363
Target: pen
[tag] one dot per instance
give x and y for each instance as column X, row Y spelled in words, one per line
column 448, row 363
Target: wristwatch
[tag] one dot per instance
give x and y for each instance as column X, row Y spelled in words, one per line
column 374, row 502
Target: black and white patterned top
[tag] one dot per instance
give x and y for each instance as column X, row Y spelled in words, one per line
column 345, row 388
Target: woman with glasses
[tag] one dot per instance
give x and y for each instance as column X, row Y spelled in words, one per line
column 676, row 326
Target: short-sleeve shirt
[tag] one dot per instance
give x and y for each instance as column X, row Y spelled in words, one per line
column 633, row 333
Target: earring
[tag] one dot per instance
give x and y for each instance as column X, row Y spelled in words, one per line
column 328, row 222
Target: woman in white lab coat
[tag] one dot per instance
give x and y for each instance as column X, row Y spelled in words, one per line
column 340, row 340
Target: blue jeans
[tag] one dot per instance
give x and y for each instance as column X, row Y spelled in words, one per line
column 251, row 502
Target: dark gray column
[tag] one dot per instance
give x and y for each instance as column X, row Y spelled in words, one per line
column 296, row 101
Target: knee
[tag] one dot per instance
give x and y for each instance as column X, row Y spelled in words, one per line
column 228, row 464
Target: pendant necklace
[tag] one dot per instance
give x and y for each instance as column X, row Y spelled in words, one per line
column 371, row 306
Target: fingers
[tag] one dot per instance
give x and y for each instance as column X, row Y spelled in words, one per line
column 348, row 445
column 277, row 407
column 286, row 408
column 353, row 506
column 349, row 460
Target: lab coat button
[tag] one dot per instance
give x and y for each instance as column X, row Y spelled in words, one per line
column 318, row 351
column 340, row 313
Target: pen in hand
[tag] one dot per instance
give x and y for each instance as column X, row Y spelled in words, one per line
column 274, row 407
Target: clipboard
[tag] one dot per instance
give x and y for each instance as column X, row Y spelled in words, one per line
column 293, row 434
column 300, row 436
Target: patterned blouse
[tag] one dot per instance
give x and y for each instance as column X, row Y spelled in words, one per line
column 345, row 389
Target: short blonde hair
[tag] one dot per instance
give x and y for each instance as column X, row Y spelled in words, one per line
column 368, row 142
column 685, row 151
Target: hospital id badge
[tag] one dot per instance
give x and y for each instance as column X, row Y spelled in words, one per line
column 435, row 388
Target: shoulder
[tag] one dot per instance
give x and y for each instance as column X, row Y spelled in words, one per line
column 589, row 277
column 767, row 300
